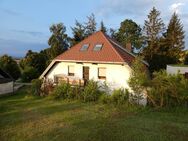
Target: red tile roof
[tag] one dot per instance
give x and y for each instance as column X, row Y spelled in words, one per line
column 110, row 52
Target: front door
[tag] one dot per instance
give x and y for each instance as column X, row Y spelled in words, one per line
column 85, row 74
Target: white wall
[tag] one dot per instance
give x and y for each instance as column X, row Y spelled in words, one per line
column 6, row 88
column 175, row 69
column 116, row 74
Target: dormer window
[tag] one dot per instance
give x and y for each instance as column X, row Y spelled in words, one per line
column 84, row 47
column 97, row 47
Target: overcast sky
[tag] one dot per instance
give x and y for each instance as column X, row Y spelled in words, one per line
column 25, row 24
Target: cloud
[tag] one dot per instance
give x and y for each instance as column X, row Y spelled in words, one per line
column 10, row 12
column 125, row 7
column 176, row 7
column 32, row 33
column 19, row 48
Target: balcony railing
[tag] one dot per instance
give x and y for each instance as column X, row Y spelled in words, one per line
column 72, row 80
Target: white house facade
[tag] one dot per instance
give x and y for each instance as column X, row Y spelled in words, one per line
column 97, row 57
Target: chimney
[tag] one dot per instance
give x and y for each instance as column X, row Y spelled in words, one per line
column 129, row 47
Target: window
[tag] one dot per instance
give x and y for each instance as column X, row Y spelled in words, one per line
column 84, row 47
column 97, row 47
column 70, row 70
column 101, row 73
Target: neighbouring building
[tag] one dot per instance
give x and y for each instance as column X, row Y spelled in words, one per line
column 6, row 83
column 97, row 57
column 174, row 69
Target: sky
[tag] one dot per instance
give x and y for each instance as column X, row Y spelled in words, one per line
column 24, row 24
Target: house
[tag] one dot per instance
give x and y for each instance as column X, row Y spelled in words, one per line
column 97, row 57
column 174, row 69
column 6, row 83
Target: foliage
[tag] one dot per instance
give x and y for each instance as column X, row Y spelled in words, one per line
column 58, row 41
column 168, row 90
column 36, row 86
column 29, row 73
column 105, row 98
column 139, row 79
column 90, row 25
column 102, row 27
column 47, row 87
column 186, row 59
column 129, row 32
column 120, row 96
column 61, row 91
column 35, row 60
column 153, row 31
column 175, row 37
column 10, row 66
column 91, row 91
column 78, row 33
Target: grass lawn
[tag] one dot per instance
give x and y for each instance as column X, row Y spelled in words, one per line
column 24, row 117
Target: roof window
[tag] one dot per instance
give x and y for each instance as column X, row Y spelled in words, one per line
column 84, row 47
column 98, row 47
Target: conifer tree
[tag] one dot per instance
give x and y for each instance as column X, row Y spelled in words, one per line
column 175, row 37
column 102, row 27
column 90, row 25
column 78, row 33
column 153, row 31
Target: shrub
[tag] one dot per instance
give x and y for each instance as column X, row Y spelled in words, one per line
column 105, row 99
column 168, row 90
column 63, row 90
column 29, row 73
column 47, row 87
column 120, row 96
column 36, row 86
column 91, row 91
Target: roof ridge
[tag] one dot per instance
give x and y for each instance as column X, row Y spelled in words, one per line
column 124, row 49
column 105, row 36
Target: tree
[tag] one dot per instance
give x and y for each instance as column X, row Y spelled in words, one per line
column 10, row 66
column 90, row 25
column 139, row 79
column 34, row 59
column 175, row 37
column 129, row 32
column 29, row 73
column 103, row 28
column 58, row 41
column 78, row 33
column 153, row 31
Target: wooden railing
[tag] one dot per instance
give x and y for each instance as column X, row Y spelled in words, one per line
column 70, row 80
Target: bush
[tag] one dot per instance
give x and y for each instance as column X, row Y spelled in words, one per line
column 120, row 96
column 91, row 91
column 29, row 73
column 105, row 99
column 63, row 90
column 36, row 86
column 168, row 90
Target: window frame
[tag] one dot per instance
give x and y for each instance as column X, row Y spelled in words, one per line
column 94, row 49
column 101, row 77
column 82, row 48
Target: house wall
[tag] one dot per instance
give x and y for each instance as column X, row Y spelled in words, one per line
column 6, row 88
column 116, row 75
column 175, row 69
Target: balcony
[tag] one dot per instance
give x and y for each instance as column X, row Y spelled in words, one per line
column 72, row 80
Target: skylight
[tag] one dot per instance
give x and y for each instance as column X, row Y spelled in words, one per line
column 84, row 47
column 97, row 47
